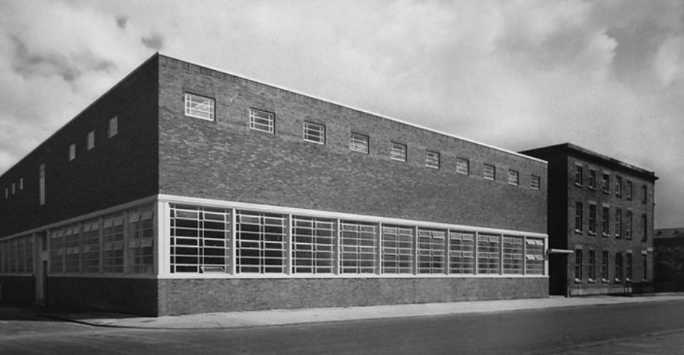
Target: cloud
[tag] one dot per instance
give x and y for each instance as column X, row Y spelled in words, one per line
column 519, row 74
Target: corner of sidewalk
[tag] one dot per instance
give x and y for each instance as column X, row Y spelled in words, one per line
column 278, row 317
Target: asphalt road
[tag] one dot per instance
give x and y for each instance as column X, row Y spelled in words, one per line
column 655, row 328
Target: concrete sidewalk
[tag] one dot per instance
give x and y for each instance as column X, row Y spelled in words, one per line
column 312, row 315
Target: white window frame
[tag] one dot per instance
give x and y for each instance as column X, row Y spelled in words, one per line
column 198, row 106
column 432, row 159
column 513, row 177
column 90, row 140
column 262, row 120
column 359, row 142
column 463, row 166
column 313, row 132
column 398, row 151
column 489, row 172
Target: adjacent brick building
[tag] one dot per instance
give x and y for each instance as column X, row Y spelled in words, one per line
column 600, row 222
column 185, row 189
column 668, row 245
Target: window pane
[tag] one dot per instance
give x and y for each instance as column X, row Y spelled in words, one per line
column 358, row 244
column 488, row 253
column 398, row 151
column 489, row 172
column 513, row 255
column 358, row 143
column 461, row 252
column 462, row 166
column 431, row 251
column 314, row 132
column 199, row 107
column 313, row 245
column 261, row 120
column 260, row 242
column 432, row 159
column 397, row 250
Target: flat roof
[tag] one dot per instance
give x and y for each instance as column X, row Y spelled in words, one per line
column 570, row 148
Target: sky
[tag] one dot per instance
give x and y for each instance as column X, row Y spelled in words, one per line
column 606, row 75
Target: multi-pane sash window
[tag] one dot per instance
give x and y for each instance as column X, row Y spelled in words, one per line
column 432, row 159
column 592, row 218
column 618, row 186
column 72, row 249
column 461, row 252
column 260, row 242
column 618, row 222
column 644, row 260
column 578, row 265
column 90, row 140
column 592, row 179
column 113, row 244
column 431, row 251
column 398, row 151
column 113, row 127
column 488, row 253
column 513, row 177
column 618, row 267
column 579, row 175
column 358, row 143
column 512, row 255
column 199, row 107
column 628, row 224
column 16, row 255
column 628, row 190
column 628, row 267
column 41, row 185
column 605, row 221
column 644, row 194
column 592, row 265
column 535, row 182
column 314, row 132
column 260, row 120
column 90, row 250
column 579, row 216
column 605, row 183
column 605, row 266
column 358, row 247
column 644, row 228
column 200, row 239
column 397, row 250
column 463, row 166
column 140, row 248
column 313, row 245
column 489, row 172
column 534, row 256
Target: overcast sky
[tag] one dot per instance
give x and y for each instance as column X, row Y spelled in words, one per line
column 606, row 75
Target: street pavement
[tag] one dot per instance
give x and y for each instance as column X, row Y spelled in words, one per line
column 654, row 327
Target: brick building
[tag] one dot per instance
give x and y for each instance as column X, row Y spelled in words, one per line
column 185, row 189
column 668, row 245
column 600, row 222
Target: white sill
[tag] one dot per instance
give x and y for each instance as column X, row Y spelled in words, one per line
column 605, row 281
column 578, row 281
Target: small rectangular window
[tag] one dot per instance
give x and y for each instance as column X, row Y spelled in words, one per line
column 489, row 172
column 605, row 273
column 644, row 194
column 199, row 107
column 314, row 132
column 592, row 179
column 644, row 226
column 432, row 159
column 618, row 267
column 463, row 166
column 605, row 183
column 14, row 188
column 21, row 183
column 592, row 266
column 6, row 193
column 618, row 186
column 41, row 188
column 578, row 265
column 535, row 182
column 579, row 175
column 605, row 221
column 579, row 217
column 398, row 151
column 72, row 152
column 513, row 177
column 260, row 120
column 628, row 266
column 358, row 143
column 618, row 223
column 91, row 140
column 628, row 190
column 113, row 128
column 628, row 224
column 592, row 218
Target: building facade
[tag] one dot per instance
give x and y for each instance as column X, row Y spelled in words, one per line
column 668, row 245
column 184, row 189
column 600, row 222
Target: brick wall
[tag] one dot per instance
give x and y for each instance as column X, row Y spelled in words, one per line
column 181, row 296
column 117, row 170
column 126, row 295
column 225, row 160
column 18, row 290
